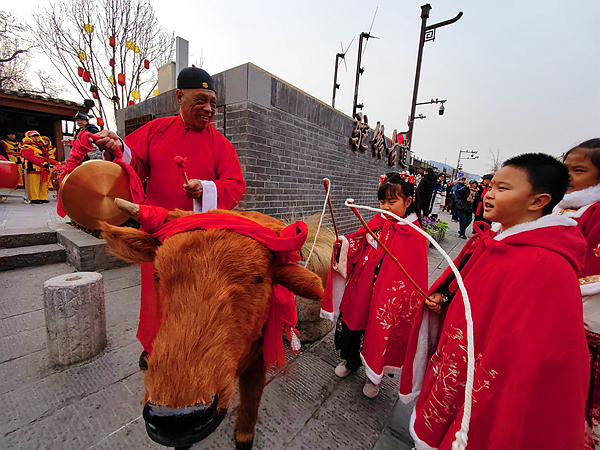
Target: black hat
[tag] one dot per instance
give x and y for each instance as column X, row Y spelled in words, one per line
column 81, row 115
column 195, row 78
column 488, row 176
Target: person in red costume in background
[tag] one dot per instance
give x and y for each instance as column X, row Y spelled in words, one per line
column 11, row 149
column 214, row 174
column 582, row 203
column 38, row 162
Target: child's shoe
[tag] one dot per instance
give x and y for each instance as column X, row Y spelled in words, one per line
column 370, row 390
column 341, row 370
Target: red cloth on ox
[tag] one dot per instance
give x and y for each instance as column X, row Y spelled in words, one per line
column 285, row 246
column 531, row 362
column 386, row 309
column 81, row 147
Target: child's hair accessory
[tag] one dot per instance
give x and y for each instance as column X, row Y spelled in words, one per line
column 396, row 177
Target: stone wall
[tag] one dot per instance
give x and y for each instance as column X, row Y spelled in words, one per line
column 287, row 142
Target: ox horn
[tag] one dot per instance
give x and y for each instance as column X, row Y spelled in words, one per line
column 130, row 208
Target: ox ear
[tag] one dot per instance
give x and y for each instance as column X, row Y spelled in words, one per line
column 129, row 244
column 299, row 280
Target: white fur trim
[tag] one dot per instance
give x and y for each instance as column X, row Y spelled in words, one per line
column 338, row 287
column 549, row 220
column 590, row 289
column 591, row 312
column 326, row 315
column 376, row 377
column 341, row 267
column 419, row 444
column 578, row 199
column 209, row 197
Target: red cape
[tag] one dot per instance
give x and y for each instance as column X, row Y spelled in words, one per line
column 531, row 368
column 285, row 246
column 385, row 310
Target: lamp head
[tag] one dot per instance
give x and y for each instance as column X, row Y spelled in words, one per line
column 442, row 109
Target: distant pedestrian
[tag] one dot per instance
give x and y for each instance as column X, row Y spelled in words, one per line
column 481, row 191
column 425, row 190
column 455, row 198
column 465, row 207
column 448, row 203
column 376, row 300
column 440, row 187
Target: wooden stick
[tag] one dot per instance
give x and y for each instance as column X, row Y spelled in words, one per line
column 326, row 185
column 366, row 227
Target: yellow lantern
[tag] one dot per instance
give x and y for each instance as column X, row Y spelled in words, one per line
column 135, row 95
column 155, row 92
column 88, row 28
column 136, row 49
column 111, row 80
column 82, row 56
column 130, row 45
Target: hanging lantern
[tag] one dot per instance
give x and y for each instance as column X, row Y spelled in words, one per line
column 136, row 49
column 121, row 79
column 87, row 77
column 88, row 28
column 135, row 95
column 94, row 88
column 95, row 95
column 146, row 64
column 112, row 42
column 100, row 121
column 111, row 63
column 80, row 71
column 131, row 102
column 155, row 92
column 130, row 45
column 82, row 56
column 111, row 80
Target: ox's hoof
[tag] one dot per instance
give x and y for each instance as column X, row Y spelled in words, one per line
column 244, row 445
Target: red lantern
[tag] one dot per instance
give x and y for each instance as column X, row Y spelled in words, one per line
column 131, row 102
column 121, row 79
column 111, row 62
column 146, row 64
column 111, row 41
column 87, row 77
column 80, row 71
column 100, row 121
column 95, row 95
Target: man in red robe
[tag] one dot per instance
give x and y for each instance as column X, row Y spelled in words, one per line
column 212, row 166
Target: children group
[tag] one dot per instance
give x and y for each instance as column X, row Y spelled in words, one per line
column 533, row 281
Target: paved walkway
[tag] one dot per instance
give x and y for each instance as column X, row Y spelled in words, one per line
column 97, row 404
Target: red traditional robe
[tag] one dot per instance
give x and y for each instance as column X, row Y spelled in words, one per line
column 584, row 207
column 384, row 310
column 531, row 363
column 211, row 158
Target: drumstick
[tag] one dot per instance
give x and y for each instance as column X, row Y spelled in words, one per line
column 181, row 164
column 326, row 185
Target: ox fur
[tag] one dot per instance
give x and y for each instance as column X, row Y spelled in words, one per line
column 213, row 289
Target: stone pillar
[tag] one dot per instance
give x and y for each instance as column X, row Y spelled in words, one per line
column 310, row 325
column 75, row 317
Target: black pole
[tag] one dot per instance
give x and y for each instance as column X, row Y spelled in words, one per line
column 358, row 72
column 411, row 119
column 336, row 86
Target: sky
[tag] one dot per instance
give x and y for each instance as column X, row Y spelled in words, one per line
column 518, row 76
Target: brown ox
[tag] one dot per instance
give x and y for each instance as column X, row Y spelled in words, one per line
column 214, row 286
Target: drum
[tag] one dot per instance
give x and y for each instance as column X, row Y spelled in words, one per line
column 9, row 175
column 87, row 194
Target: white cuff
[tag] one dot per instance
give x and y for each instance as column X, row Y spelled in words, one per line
column 341, row 266
column 209, row 197
column 126, row 153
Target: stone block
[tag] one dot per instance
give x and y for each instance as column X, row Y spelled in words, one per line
column 311, row 331
column 75, row 317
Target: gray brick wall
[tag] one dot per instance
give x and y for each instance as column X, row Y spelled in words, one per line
column 287, row 142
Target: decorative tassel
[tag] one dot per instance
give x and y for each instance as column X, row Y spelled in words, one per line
column 295, row 343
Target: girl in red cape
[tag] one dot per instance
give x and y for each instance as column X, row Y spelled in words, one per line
column 582, row 203
column 368, row 295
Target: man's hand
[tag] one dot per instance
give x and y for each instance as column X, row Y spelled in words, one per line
column 435, row 303
column 193, row 189
column 109, row 141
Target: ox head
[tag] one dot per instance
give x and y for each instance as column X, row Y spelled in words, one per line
column 213, row 287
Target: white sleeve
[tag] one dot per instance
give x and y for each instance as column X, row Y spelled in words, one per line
column 209, row 197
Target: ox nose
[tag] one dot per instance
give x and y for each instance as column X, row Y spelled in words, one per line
column 178, row 427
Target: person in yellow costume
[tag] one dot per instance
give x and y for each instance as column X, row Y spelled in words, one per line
column 38, row 164
column 52, row 154
column 12, row 149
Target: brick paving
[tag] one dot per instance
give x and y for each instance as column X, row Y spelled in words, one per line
column 97, row 404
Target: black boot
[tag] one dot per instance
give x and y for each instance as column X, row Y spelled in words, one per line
column 143, row 362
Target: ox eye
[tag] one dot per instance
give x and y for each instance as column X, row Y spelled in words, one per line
column 258, row 280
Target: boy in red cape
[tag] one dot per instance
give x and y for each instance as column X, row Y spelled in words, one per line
column 531, row 363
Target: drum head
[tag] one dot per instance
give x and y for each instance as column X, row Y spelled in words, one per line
column 9, row 175
column 87, row 194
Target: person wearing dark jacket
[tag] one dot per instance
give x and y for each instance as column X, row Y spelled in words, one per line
column 425, row 190
column 465, row 207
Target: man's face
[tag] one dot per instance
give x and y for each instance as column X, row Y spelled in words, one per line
column 486, row 182
column 11, row 136
column 198, row 107
column 36, row 138
column 81, row 123
column 510, row 198
column 583, row 172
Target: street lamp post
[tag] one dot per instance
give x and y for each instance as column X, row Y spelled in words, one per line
column 471, row 154
column 427, row 34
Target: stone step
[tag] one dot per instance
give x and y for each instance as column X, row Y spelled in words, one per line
column 34, row 255
column 14, row 238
